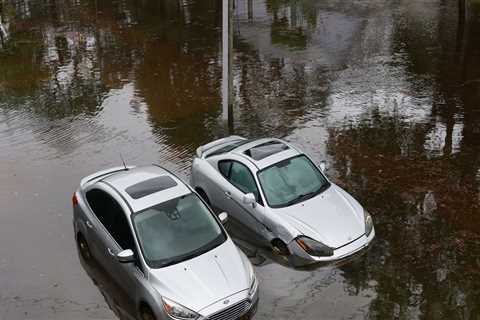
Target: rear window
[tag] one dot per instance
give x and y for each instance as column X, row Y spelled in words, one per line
column 224, row 168
column 265, row 150
column 150, row 186
column 228, row 148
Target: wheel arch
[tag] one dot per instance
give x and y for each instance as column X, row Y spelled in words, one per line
column 79, row 234
column 142, row 304
column 281, row 246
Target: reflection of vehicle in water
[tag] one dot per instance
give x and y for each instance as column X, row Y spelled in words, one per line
column 162, row 247
column 277, row 193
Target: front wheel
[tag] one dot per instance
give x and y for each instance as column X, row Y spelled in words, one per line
column 279, row 247
column 146, row 313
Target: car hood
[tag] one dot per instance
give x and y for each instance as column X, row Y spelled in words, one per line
column 203, row 280
column 333, row 217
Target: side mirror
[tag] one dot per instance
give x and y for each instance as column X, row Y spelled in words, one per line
column 126, row 256
column 323, row 166
column 249, row 199
column 223, row 217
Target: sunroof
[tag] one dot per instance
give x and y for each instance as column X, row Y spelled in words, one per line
column 150, row 186
column 265, row 150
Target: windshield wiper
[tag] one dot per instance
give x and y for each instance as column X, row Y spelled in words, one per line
column 301, row 197
column 308, row 195
column 324, row 187
column 176, row 260
column 195, row 253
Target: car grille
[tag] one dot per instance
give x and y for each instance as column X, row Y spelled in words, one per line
column 232, row 312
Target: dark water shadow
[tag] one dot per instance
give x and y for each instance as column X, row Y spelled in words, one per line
column 115, row 297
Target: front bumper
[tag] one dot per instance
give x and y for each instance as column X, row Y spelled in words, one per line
column 232, row 302
column 300, row 258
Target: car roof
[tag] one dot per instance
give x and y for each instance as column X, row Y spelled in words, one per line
column 143, row 187
column 274, row 150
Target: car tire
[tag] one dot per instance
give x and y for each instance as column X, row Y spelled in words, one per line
column 146, row 313
column 83, row 248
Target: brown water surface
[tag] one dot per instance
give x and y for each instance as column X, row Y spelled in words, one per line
column 387, row 91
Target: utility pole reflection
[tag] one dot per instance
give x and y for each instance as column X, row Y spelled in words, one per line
column 227, row 54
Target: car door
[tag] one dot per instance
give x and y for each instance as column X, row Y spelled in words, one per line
column 251, row 217
column 114, row 235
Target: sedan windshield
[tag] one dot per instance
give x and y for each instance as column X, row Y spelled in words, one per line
column 176, row 230
column 291, row 181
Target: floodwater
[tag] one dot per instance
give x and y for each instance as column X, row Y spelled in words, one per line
column 388, row 92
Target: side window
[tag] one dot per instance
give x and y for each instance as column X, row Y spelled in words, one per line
column 98, row 201
column 241, row 177
column 224, row 168
column 120, row 230
column 111, row 215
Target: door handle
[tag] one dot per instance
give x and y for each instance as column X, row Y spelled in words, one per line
column 110, row 251
column 89, row 224
column 228, row 194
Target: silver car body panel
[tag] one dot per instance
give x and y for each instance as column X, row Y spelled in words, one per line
column 122, row 180
column 333, row 217
column 223, row 273
column 206, row 177
column 204, row 280
column 300, row 257
column 340, row 214
column 104, row 247
column 213, row 146
column 91, row 179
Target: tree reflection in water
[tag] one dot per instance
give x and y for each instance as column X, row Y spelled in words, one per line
column 390, row 89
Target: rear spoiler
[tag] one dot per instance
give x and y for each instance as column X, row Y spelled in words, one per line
column 103, row 173
column 206, row 147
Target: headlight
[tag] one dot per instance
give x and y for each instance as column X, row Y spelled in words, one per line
column 177, row 311
column 368, row 222
column 253, row 279
column 314, row 248
column 253, row 285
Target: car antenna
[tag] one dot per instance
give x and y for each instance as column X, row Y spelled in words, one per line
column 123, row 161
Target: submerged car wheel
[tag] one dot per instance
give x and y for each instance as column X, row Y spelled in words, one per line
column 279, row 247
column 146, row 313
column 83, row 248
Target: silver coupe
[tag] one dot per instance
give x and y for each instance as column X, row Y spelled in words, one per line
column 279, row 198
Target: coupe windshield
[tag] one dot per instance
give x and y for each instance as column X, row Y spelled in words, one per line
column 291, row 181
column 176, row 230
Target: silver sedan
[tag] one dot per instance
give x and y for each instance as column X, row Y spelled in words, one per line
column 281, row 199
column 162, row 245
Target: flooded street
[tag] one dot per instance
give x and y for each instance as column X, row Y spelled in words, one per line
column 388, row 92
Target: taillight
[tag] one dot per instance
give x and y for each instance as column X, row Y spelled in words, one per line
column 74, row 199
